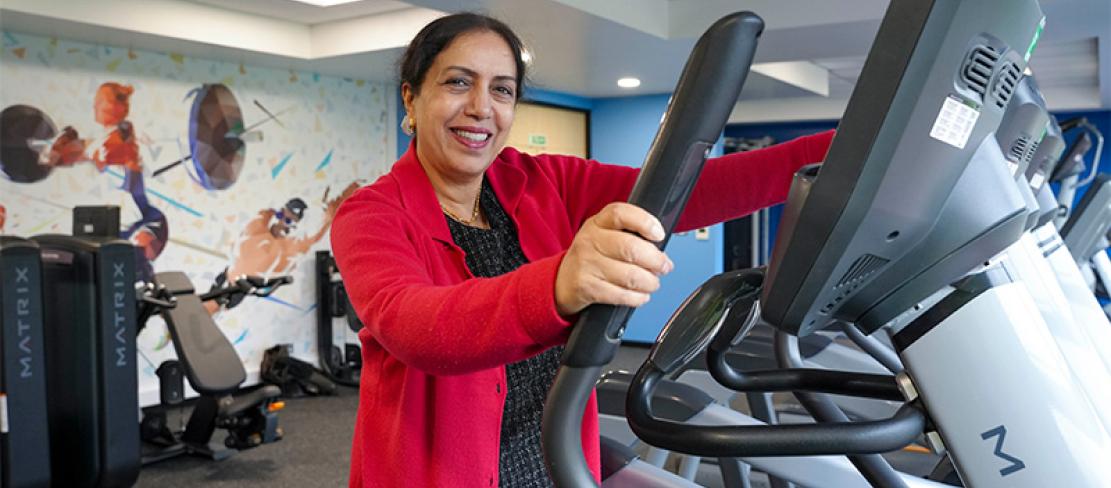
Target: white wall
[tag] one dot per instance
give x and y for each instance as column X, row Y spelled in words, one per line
column 333, row 132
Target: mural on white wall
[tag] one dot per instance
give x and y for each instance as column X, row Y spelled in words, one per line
column 221, row 170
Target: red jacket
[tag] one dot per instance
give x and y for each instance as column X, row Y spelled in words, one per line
column 437, row 339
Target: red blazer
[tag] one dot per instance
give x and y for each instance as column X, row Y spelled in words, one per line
column 437, row 339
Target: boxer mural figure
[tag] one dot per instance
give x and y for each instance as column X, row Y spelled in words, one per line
column 32, row 148
column 117, row 147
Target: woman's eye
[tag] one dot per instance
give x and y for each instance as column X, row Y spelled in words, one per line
column 457, row 82
column 504, row 90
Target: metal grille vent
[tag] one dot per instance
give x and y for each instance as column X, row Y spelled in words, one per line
column 978, row 68
column 863, row 267
column 1019, row 149
column 1005, row 85
column 1030, row 152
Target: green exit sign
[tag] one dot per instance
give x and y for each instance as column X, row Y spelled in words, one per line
column 537, row 140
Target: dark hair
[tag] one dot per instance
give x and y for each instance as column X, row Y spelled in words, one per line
column 438, row 34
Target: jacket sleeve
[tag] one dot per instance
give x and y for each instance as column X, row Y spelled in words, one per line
column 730, row 186
column 442, row 330
column 738, row 184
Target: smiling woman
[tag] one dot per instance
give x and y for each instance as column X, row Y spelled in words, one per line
column 468, row 261
column 461, row 112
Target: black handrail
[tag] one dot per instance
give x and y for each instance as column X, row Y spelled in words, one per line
column 703, row 99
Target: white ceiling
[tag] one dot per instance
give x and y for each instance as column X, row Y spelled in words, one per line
column 580, row 46
column 304, row 13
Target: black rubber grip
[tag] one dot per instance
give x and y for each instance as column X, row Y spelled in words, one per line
column 695, row 117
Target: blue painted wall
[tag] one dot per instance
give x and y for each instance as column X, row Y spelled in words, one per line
column 1102, row 120
column 781, row 132
column 558, row 98
column 621, row 131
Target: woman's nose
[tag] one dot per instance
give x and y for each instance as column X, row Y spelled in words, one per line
column 479, row 105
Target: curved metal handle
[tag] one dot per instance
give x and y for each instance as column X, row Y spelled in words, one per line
column 695, row 116
column 869, row 437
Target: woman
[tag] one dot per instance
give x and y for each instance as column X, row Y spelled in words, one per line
column 468, row 262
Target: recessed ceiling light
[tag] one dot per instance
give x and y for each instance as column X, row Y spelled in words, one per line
column 325, row 3
column 628, row 82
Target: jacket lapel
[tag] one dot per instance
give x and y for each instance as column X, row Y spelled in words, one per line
column 419, row 199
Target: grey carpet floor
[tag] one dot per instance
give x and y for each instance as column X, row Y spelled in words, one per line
column 316, row 451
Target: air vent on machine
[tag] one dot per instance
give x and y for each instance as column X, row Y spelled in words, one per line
column 1005, row 85
column 1019, row 149
column 1030, row 152
column 861, row 268
column 978, row 68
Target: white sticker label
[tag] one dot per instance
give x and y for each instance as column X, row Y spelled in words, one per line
column 954, row 123
column 1037, row 180
column 3, row 413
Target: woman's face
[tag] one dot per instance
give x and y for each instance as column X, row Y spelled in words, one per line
column 466, row 105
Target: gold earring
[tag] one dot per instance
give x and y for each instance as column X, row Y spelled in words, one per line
column 407, row 126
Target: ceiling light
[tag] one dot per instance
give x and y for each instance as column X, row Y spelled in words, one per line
column 325, row 3
column 628, row 82
column 526, row 57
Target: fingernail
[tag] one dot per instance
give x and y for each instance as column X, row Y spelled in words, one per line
column 668, row 266
column 658, row 232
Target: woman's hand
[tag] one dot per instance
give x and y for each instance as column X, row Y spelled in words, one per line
column 612, row 260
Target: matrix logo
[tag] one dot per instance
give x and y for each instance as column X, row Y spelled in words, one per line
column 22, row 321
column 1016, row 463
column 119, row 319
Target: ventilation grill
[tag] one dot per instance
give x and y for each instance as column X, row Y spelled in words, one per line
column 863, row 267
column 860, row 269
column 1019, row 149
column 977, row 70
column 1005, row 86
column 1030, row 152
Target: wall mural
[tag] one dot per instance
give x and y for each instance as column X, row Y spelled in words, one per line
column 220, row 169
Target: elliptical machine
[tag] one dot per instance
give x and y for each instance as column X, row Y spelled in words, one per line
column 213, row 368
column 908, row 223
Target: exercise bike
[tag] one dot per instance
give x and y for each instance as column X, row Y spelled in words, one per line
column 211, row 365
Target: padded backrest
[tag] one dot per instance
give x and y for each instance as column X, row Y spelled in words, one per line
column 210, row 362
column 176, row 282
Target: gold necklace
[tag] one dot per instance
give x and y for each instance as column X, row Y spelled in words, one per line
column 474, row 212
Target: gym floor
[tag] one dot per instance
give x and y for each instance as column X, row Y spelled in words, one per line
column 316, row 448
column 316, row 451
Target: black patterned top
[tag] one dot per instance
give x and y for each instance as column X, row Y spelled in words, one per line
column 493, row 252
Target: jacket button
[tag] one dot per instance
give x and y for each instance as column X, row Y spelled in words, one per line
column 499, row 387
column 491, row 481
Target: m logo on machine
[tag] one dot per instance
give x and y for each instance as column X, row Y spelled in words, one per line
column 1016, row 463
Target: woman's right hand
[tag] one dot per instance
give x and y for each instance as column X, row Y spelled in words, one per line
column 612, row 260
